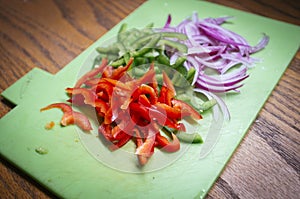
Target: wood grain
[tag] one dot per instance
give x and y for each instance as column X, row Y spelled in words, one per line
column 48, row 34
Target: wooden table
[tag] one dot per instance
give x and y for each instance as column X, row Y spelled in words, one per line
column 50, row 33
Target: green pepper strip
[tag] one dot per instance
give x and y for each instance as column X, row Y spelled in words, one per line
column 190, row 75
column 179, row 62
column 189, row 137
column 176, row 35
column 179, row 46
column 183, row 136
column 112, row 49
column 122, row 30
column 208, row 104
column 162, row 59
column 152, row 43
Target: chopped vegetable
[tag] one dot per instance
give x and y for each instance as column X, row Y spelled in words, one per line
column 70, row 116
column 49, row 125
column 129, row 108
column 214, row 48
column 41, row 150
column 189, row 137
column 134, row 106
column 210, row 57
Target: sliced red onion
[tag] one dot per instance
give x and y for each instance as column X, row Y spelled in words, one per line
column 217, row 21
column 168, row 22
column 220, row 81
column 261, row 44
column 214, row 47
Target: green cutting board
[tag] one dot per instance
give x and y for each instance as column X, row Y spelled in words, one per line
column 70, row 171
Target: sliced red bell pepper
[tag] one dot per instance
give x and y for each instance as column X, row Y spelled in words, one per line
column 145, row 149
column 124, row 126
column 139, row 111
column 70, row 116
column 92, row 82
column 168, row 83
column 107, row 72
column 90, row 98
column 88, row 95
column 163, row 120
column 105, row 87
column 63, row 106
column 121, row 142
column 145, row 90
column 139, row 142
column 105, row 131
column 144, row 100
column 103, row 96
column 177, row 112
column 77, row 100
column 129, row 108
column 119, row 72
column 186, row 109
column 116, row 83
column 147, row 78
column 166, row 145
column 171, row 112
column 113, row 144
column 167, row 92
column 91, row 74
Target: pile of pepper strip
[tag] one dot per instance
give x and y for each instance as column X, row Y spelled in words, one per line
column 129, row 109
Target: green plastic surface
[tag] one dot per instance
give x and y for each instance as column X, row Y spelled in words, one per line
column 71, row 172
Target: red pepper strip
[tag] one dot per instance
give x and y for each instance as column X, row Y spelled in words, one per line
column 70, row 116
column 167, row 92
column 117, row 83
column 107, row 88
column 91, row 73
column 123, row 127
column 145, row 150
column 106, row 131
column 121, row 142
column 134, row 84
column 139, row 142
column 162, row 95
column 64, row 107
column 139, row 111
column 105, row 116
column 166, row 96
column 92, row 82
column 168, row 83
column 147, row 78
column 144, row 101
column 119, row 92
column 77, row 100
column 113, row 82
column 172, row 112
column 186, row 109
column 103, row 96
column 120, row 101
column 163, row 120
column 166, row 145
column 120, row 71
column 107, row 72
column 171, row 90
column 138, row 120
column 145, row 90
column 101, row 107
column 153, row 82
column 90, row 98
